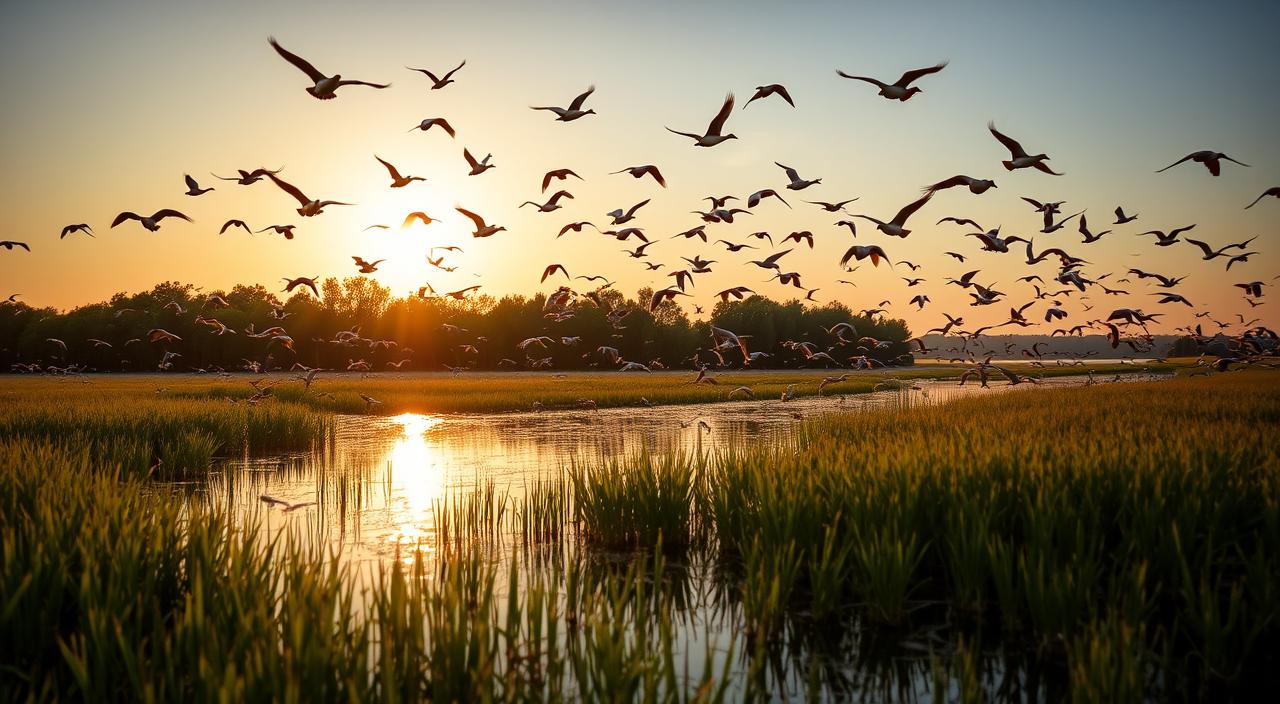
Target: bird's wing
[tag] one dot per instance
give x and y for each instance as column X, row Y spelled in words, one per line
column 466, row 154
column 1204, row 246
column 429, row 74
column 1170, row 166
column 578, row 101
column 302, row 64
column 364, row 83
column 390, row 169
column 290, row 189
column 191, row 182
column 717, row 123
column 872, row 81
column 901, row 217
column 791, row 173
column 479, row 221
column 126, row 215
column 448, row 75
column 169, row 213
column 1010, row 143
column 915, row 74
column 637, row 206
column 685, row 134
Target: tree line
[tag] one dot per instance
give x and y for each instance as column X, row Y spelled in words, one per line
column 432, row 333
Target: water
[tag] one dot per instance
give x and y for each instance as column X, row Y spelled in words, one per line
column 383, row 485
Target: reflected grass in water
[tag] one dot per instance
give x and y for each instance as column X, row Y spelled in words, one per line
column 774, row 591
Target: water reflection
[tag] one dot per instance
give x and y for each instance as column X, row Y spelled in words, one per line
column 416, row 475
column 399, row 487
column 381, row 480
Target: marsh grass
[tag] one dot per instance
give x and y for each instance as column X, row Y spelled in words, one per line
column 490, row 392
column 129, row 425
column 1123, row 536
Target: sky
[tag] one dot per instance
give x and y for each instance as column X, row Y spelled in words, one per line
column 108, row 104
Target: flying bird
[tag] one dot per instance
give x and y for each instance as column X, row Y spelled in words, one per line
column 235, row 223
column 797, row 183
column 771, row 89
column 901, row 89
column 896, row 226
column 477, row 167
column 324, row 87
column 621, row 216
column 397, row 181
column 553, row 268
column 1274, row 192
column 482, row 229
column 419, row 216
column 574, row 111
column 248, row 178
column 976, row 186
column 714, row 130
column 551, row 205
column 72, row 229
column 430, row 122
column 557, row 174
column 193, row 186
column 151, row 222
column 442, row 81
column 310, row 207
column 754, row 199
column 286, row 230
column 860, row 252
column 10, row 245
column 309, row 282
column 1164, row 239
column 1212, row 161
column 644, row 170
column 1019, row 159
column 1121, row 218
column 367, row 267
column 831, row 207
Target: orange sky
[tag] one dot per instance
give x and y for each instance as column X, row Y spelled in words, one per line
column 106, row 109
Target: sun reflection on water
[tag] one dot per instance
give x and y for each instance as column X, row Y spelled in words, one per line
column 417, row 482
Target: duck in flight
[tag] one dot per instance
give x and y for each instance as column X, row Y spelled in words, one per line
column 1019, row 158
column 574, row 111
column 442, row 81
column 151, row 222
column 714, row 134
column 325, row 87
column 901, row 89
column 482, row 229
column 310, row 207
column 771, row 89
column 1212, row 161
column 397, row 181
column 193, row 186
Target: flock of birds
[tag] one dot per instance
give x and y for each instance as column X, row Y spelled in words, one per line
column 844, row 347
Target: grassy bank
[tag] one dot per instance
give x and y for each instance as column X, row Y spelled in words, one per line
column 505, row 392
column 127, row 423
column 1130, row 533
column 1108, row 543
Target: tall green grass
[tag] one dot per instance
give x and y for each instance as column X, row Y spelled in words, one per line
column 1140, row 522
column 112, row 591
column 132, row 426
column 1123, row 539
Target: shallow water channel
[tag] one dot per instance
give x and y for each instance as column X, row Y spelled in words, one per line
column 382, row 484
